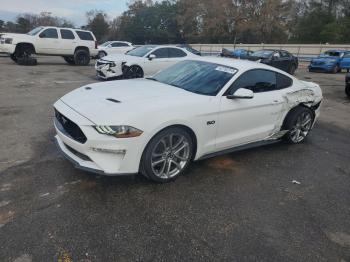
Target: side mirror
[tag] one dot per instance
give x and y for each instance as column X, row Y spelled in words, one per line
column 151, row 56
column 241, row 93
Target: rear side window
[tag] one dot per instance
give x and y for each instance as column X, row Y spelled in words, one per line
column 283, row 81
column 174, row 52
column 49, row 33
column 85, row 35
column 67, row 34
column 119, row 44
column 257, row 80
column 285, row 54
column 161, row 53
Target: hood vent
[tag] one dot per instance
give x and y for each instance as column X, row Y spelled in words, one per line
column 113, row 100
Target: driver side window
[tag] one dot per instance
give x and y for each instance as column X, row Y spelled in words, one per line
column 49, row 33
column 257, row 80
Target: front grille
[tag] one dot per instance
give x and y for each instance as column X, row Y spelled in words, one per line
column 69, row 128
column 104, row 62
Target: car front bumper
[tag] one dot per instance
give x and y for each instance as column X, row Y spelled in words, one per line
column 321, row 68
column 106, row 70
column 7, row 48
column 100, row 153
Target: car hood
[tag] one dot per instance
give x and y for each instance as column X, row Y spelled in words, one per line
column 122, row 58
column 117, row 102
column 15, row 36
column 325, row 59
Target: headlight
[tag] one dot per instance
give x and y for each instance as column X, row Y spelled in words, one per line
column 8, row 40
column 119, row 131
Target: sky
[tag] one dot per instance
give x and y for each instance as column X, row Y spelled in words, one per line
column 73, row 10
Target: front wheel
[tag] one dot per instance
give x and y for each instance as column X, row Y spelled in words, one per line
column 299, row 123
column 347, row 90
column 167, row 155
column 133, row 72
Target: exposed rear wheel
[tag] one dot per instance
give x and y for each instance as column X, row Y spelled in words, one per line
column 81, row 57
column 299, row 123
column 133, row 72
column 167, row 155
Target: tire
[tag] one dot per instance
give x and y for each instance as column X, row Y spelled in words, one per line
column 335, row 69
column 298, row 122
column 23, row 56
column 163, row 161
column 292, row 69
column 347, row 90
column 101, row 54
column 133, row 72
column 81, row 57
column 69, row 60
column 13, row 57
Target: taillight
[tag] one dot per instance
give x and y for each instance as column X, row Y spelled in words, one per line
column 95, row 44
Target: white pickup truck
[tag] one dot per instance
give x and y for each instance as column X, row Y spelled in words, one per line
column 76, row 46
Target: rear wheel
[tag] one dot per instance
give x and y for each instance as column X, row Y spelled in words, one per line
column 133, row 72
column 69, row 60
column 167, row 155
column 335, row 69
column 347, row 90
column 299, row 123
column 81, row 57
column 292, row 69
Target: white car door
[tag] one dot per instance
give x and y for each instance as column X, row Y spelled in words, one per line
column 118, row 48
column 68, row 41
column 159, row 62
column 242, row 120
column 48, row 42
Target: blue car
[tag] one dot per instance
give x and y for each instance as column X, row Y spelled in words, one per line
column 330, row 61
column 236, row 53
column 345, row 62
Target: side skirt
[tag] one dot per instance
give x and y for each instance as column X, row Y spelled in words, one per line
column 241, row 148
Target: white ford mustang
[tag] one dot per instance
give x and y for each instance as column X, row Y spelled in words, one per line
column 190, row 111
column 142, row 61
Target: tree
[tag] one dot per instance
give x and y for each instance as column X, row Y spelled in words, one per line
column 98, row 23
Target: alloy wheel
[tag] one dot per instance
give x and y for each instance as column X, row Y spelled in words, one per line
column 170, row 156
column 135, row 72
column 301, row 128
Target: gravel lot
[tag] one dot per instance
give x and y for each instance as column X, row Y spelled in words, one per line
column 237, row 207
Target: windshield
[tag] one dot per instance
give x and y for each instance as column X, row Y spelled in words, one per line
column 35, row 31
column 330, row 53
column 141, row 51
column 263, row 53
column 198, row 77
column 105, row 44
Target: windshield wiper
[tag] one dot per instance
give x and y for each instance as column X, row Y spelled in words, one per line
column 152, row 78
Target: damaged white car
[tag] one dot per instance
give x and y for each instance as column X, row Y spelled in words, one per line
column 193, row 110
column 139, row 62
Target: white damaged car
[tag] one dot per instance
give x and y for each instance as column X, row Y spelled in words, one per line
column 141, row 61
column 190, row 111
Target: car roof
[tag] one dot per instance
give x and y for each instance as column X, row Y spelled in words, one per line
column 241, row 65
column 69, row 28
